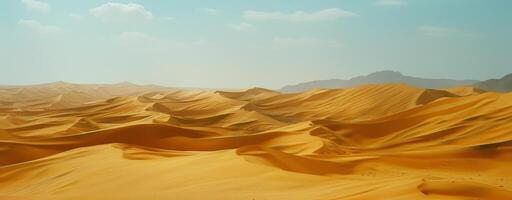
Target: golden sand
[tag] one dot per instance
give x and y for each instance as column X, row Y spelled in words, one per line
column 389, row 141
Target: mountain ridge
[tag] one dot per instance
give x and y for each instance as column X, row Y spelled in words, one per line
column 503, row 84
column 386, row 76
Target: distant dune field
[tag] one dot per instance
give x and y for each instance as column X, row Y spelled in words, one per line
column 381, row 141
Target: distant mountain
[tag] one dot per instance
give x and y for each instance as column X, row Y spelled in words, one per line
column 497, row 85
column 377, row 77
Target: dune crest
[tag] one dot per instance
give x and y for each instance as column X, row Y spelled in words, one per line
column 378, row 141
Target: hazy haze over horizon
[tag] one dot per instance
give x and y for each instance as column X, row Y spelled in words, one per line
column 233, row 44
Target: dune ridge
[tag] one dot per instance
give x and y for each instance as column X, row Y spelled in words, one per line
column 379, row 141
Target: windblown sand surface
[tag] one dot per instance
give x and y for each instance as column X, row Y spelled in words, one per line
column 64, row 141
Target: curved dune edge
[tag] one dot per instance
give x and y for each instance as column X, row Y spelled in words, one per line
column 463, row 189
column 368, row 142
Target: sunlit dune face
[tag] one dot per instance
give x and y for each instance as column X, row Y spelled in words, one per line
column 68, row 141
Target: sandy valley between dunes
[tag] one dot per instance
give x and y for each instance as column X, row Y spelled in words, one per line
column 388, row 141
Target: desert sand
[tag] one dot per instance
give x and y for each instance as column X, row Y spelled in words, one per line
column 123, row 141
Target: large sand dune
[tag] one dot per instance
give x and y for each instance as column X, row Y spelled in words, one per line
column 388, row 141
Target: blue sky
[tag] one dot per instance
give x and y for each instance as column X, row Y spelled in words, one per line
column 240, row 44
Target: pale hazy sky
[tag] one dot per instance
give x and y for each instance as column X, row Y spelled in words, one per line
column 238, row 44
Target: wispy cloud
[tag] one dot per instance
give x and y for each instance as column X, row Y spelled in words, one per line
column 299, row 16
column 35, row 5
column 390, row 2
column 119, row 11
column 212, row 11
column 304, row 42
column 76, row 17
column 438, row 31
column 240, row 27
column 37, row 27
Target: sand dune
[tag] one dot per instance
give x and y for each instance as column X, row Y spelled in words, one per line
column 384, row 141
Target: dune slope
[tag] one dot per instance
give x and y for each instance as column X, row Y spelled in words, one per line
column 384, row 141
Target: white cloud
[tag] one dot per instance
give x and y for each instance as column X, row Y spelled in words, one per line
column 38, row 27
column 437, row 31
column 304, row 42
column 212, row 11
column 299, row 16
column 35, row 5
column 76, row 17
column 390, row 2
column 119, row 11
column 240, row 27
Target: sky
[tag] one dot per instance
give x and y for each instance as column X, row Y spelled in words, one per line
column 242, row 44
